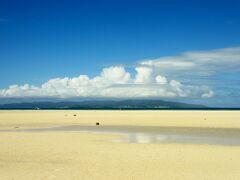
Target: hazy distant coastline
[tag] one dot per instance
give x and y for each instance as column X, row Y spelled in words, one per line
column 102, row 104
column 108, row 105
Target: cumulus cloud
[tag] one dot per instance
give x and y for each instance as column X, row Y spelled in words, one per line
column 113, row 82
column 144, row 75
column 115, row 75
column 161, row 79
column 168, row 77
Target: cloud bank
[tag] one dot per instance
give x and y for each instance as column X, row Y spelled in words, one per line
column 162, row 77
column 200, row 63
column 113, row 82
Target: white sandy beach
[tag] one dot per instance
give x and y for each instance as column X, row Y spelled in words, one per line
column 78, row 155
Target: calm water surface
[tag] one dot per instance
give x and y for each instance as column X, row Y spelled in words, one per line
column 140, row 134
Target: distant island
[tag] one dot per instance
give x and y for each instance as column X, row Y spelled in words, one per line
column 102, row 104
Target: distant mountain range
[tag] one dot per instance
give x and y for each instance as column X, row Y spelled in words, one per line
column 101, row 104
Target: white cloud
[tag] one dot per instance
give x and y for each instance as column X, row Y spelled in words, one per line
column 115, row 75
column 198, row 63
column 112, row 82
column 144, row 75
column 162, row 77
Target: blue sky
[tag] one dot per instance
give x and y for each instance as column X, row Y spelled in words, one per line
column 43, row 40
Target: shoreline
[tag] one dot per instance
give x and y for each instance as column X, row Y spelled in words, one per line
column 122, row 109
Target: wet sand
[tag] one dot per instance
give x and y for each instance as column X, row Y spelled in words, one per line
column 68, row 145
column 151, row 134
